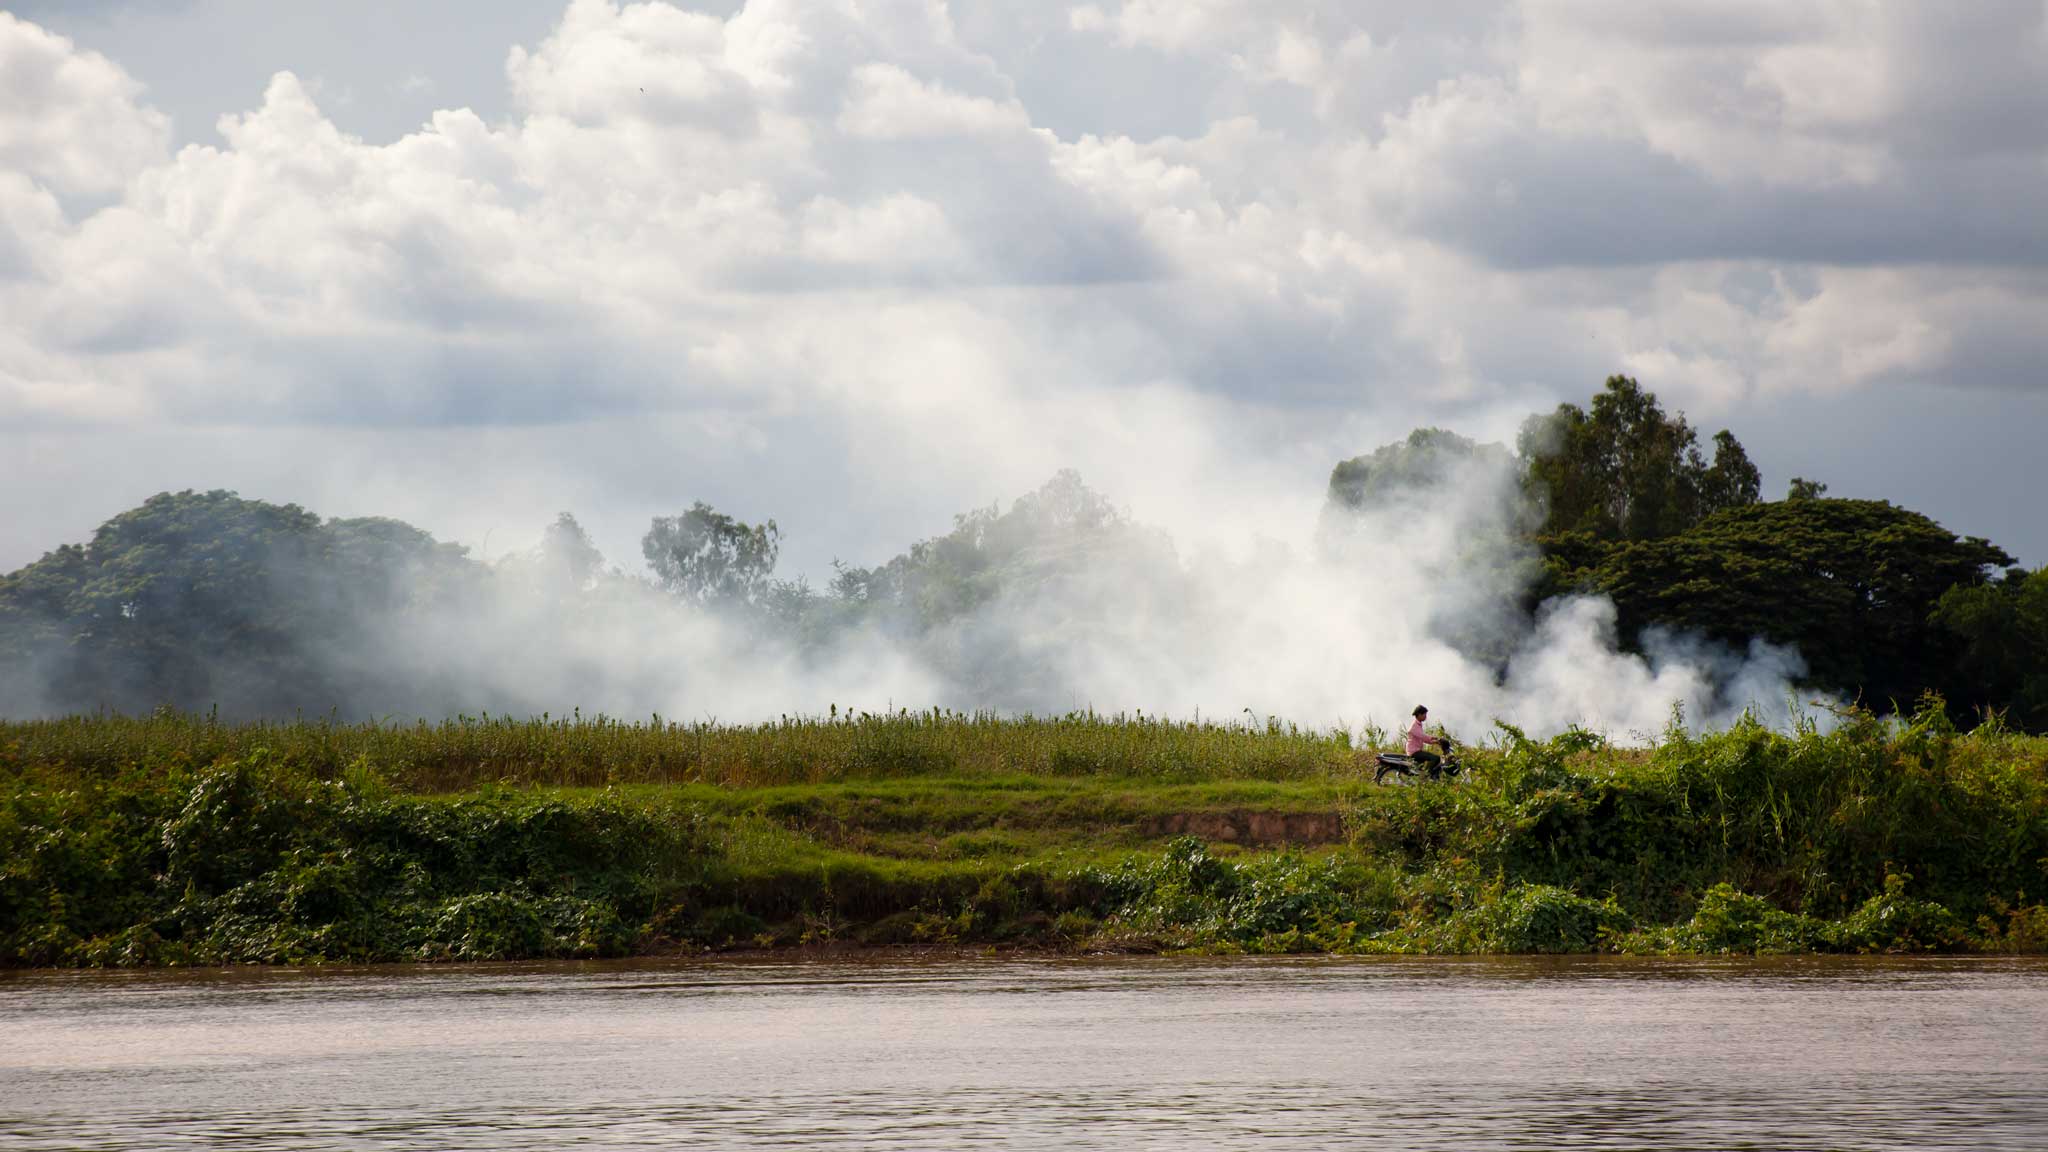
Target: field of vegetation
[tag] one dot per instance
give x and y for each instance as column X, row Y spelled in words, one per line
column 172, row 840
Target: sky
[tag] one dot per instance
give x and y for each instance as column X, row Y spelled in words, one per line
column 858, row 267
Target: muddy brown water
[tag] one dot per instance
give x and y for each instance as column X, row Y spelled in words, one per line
column 1036, row 1053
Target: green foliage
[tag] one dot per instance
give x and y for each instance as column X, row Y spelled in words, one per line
column 1627, row 471
column 1852, row 583
column 1882, row 603
column 163, row 597
column 465, row 752
column 1403, row 473
column 1729, row 920
column 257, row 861
column 194, row 598
column 1289, row 902
column 1540, row 918
column 160, row 842
column 1634, row 509
column 1732, row 921
column 1892, row 921
column 707, row 557
column 2002, row 627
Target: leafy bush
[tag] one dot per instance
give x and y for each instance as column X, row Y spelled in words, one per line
column 1540, row 918
column 1892, row 921
column 255, row 861
column 1285, row 903
column 1729, row 920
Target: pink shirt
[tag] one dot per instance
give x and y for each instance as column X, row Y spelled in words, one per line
column 1416, row 740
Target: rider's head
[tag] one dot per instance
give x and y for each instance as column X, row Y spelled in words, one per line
column 1420, row 711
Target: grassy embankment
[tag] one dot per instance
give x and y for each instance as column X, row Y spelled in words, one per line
column 171, row 840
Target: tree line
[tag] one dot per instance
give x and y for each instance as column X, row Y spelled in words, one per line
column 195, row 598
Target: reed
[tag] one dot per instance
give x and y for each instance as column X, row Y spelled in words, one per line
column 465, row 752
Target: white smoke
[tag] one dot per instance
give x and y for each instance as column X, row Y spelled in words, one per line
column 1413, row 602
column 1417, row 602
column 1417, row 597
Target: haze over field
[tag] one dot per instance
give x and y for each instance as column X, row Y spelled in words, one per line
column 1059, row 603
column 861, row 267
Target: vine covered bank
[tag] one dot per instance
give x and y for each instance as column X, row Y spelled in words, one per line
column 173, row 840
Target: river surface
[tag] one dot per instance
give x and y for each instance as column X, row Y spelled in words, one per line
column 990, row 1053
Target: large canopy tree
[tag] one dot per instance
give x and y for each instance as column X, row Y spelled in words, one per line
column 1853, row 583
column 199, row 598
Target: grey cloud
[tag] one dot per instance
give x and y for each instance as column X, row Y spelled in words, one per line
column 1701, row 24
column 1531, row 202
column 48, row 11
column 1626, row 133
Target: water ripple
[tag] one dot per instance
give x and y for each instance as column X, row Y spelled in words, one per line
column 1034, row 1054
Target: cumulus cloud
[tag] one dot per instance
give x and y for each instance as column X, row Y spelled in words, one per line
column 665, row 170
column 1823, row 133
column 885, row 102
column 70, row 120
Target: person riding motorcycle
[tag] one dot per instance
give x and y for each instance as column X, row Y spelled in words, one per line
column 1419, row 742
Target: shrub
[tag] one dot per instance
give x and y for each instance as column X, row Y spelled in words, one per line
column 1729, row 920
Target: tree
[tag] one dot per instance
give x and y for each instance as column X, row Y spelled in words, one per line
column 1731, row 481
column 1804, row 489
column 197, row 599
column 707, row 557
column 1451, row 510
column 1053, row 534
column 1429, row 458
column 187, row 599
column 2003, row 628
column 1627, row 471
column 35, row 642
column 569, row 561
column 379, row 566
column 1851, row 582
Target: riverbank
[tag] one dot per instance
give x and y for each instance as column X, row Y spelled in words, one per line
column 175, row 841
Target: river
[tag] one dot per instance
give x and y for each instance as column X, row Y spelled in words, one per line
column 957, row 1052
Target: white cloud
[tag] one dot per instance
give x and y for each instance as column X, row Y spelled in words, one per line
column 897, row 228
column 1086, row 18
column 887, row 103
column 69, row 119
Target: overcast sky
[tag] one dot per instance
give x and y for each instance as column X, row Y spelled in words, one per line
column 859, row 266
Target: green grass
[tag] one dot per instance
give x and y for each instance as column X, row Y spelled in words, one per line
column 176, row 840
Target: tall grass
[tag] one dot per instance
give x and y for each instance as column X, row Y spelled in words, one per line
column 595, row 751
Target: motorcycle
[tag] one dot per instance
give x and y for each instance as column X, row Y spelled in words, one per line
column 1444, row 768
